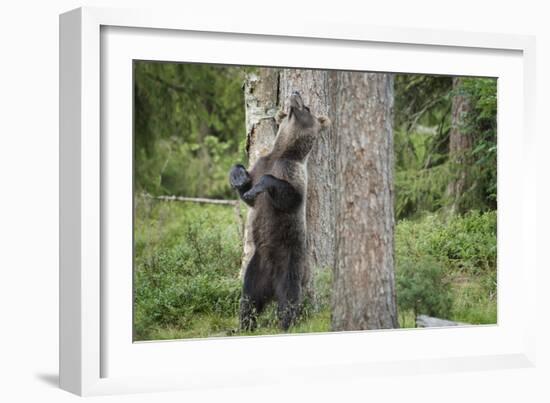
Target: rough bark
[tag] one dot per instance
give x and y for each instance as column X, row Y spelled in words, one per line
column 261, row 105
column 460, row 145
column 314, row 86
column 364, row 283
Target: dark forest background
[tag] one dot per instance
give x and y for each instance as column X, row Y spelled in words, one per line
column 190, row 129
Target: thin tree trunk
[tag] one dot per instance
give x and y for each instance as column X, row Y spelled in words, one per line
column 460, row 145
column 261, row 105
column 364, row 283
column 314, row 87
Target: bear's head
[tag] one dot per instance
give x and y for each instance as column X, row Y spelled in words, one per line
column 298, row 130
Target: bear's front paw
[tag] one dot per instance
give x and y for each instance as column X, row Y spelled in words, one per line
column 249, row 196
column 238, row 177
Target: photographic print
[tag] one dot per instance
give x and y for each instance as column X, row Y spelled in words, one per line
column 279, row 200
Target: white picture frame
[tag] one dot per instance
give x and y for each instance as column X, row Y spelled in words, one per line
column 96, row 354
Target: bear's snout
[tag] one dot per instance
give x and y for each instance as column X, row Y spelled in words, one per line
column 296, row 100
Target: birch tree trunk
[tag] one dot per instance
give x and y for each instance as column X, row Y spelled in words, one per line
column 261, row 104
column 460, row 145
column 364, row 283
column 314, row 87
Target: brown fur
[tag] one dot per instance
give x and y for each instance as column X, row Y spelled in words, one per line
column 276, row 190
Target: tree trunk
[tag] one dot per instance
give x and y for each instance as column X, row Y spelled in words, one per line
column 460, row 145
column 364, row 284
column 261, row 104
column 314, row 87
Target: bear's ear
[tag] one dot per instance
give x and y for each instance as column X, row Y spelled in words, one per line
column 279, row 116
column 324, row 121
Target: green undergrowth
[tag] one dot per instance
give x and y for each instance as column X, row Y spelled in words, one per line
column 446, row 267
column 187, row 261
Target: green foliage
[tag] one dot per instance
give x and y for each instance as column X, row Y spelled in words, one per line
column 446, row 267
column 189, row 125
column 466, row 243
column 187, row 260
column 422, row 124
column 420, row 99
column 481, row 123
column 322, row 285
column 189, row 130
column 422, row 287
column 474, row 297
column 186, row 284
column 421, row 130
column 420, row 190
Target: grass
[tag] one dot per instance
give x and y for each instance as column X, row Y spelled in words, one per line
column 474, row 298
column 188, row 256
column 220, row 326
column 471, row 303
column 462, row 251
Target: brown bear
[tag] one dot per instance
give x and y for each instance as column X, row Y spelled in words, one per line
column 276, row 188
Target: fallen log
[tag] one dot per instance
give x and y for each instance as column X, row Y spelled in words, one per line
column 429, row 321
column 196, row 200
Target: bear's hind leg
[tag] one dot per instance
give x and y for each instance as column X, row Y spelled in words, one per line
column 289, row 299
column 254, row 295
column 249, row 311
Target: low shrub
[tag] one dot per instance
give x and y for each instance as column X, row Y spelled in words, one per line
column 459, row 242
column 423, row 288
column 446, row 267
column 188, row 256
column 186, row 265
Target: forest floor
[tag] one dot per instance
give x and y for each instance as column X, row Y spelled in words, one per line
column 187, row 260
